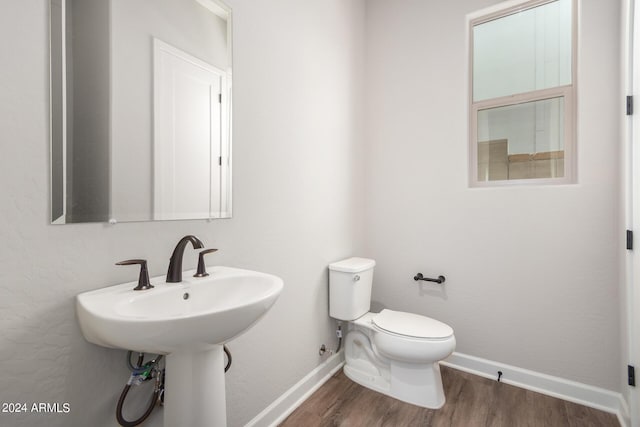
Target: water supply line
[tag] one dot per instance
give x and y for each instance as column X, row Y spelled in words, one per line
column 141, row 372
column 228, row 353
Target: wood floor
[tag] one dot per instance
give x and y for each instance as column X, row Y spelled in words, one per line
column 471, row 401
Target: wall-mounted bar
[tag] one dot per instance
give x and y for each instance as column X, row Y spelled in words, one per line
column 419, row 276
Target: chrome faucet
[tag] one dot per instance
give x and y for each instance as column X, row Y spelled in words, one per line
column 174, row 274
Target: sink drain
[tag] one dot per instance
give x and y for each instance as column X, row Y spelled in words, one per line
column 186, row 295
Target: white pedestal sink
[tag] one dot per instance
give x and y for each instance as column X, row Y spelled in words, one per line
column 187, row 321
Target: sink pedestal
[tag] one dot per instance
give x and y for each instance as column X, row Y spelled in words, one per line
column 195, row 388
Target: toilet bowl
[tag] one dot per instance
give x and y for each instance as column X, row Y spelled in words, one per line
column 392, row 352
column 399, row 365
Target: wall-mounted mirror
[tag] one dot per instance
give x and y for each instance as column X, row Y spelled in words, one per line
column 140, row 110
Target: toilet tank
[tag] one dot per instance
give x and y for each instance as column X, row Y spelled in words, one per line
column 350, row 283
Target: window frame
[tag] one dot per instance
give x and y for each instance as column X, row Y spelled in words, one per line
column 567, row 92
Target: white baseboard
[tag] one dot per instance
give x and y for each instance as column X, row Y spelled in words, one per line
column 282, row 407
column 583, row 394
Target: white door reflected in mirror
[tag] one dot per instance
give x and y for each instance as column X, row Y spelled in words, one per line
column 188, row 129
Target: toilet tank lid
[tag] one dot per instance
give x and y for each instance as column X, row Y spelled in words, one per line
column 411, row 325
column 352, row 265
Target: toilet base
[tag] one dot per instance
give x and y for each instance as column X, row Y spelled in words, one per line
column 418, row 384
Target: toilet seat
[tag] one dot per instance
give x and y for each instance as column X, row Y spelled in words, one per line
column 411, row 325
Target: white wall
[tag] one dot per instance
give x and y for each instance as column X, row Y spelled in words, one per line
column 532, row 272
column 297, row 194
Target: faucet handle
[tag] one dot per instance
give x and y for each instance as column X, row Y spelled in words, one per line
column 202, row 271
column 143, row 279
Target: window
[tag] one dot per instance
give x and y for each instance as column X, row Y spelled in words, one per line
column 522, row 95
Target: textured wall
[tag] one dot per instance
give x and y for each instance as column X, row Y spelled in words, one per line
column 532, row 272
column 297, row 187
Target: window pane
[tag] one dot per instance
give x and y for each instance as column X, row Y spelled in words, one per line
column 522, row 52
column 521, row 141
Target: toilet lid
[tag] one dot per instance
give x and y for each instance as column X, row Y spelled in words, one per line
column 412, row 325
column 352, row 265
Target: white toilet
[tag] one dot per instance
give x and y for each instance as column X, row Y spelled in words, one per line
column 391, row 352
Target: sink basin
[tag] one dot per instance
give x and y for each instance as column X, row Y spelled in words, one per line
column 188, row 316
column 189, row 322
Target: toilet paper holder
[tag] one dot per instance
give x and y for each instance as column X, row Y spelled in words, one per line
column 419, row 276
